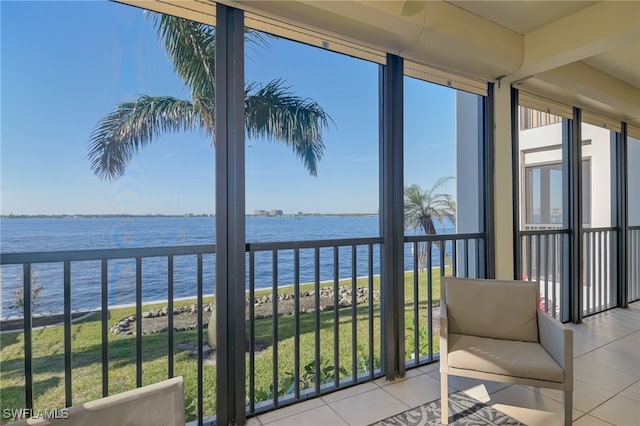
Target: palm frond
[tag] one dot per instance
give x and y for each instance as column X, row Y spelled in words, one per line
column 422, row 208
column 191, row 47
column 274, row 113
column 131, row 125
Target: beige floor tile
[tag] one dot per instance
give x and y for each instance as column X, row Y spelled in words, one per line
column 626, row 346
column 619, row 410
column 253, row 421
column 635, row 337
column 408, row 374
column 531, row 408
column 632, row 391
column 622, row 361
column 590, row 336
column 601, row 375
column 348, row 393
column 300, row 407
column 465, row 383
column 614, row 324
column 321, row 416
column 414, row 372
column 588, row 420
column 430, row 367
column 580, row 347
column 415, row 390
column 435, row 375
column 368, row 407
column 585, row 396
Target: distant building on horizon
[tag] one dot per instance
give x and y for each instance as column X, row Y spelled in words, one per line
column 270, row 213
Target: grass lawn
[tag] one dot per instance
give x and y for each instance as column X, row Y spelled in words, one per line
column 48, row 351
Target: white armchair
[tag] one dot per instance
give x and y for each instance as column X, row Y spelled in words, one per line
column 493, row 330
column 156, row 404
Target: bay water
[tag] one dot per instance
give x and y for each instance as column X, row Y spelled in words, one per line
column 81, row 233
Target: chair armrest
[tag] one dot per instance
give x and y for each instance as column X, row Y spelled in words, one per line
column 444, row 332
column 557, row 340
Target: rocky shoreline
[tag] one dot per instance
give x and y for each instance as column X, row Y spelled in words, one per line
column 186, row 317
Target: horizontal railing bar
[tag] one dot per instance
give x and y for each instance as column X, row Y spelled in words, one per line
column 126, row 253
column 607, row 229
column 100, row 254
column 292, row 245
column 443, row 237
column 634, row 228
column 545, row 232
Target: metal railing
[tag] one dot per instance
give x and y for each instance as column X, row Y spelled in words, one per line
column 542, row 226
column 458, row 255
column 313, row 313
column 600, row 277
column 544, row 254
column 327, row 334
column 105, row 257
column 633, row 263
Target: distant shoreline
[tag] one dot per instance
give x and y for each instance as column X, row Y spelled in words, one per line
column 124, row 215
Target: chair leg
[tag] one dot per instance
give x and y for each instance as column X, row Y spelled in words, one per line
column 444, row 399
column 568, row 407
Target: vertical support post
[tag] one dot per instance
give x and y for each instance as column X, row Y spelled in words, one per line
column 230, row 211
column 515, row 173
column 392, row 214
column 28, row 340
column 503, row 182
column 487, row 182
column 623, row 221
column 574, row 163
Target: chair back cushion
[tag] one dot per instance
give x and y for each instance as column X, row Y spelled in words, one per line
column 489, row 308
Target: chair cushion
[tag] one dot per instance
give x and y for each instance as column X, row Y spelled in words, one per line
column 489, row 308
column 506, row 357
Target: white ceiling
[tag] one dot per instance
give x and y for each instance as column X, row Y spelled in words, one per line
column 583, row 53
column 622, row 63
column 522, row 17
column 619, row 60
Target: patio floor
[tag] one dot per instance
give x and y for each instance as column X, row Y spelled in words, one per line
column 606, row 386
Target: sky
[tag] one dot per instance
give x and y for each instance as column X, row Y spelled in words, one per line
column 64, row 65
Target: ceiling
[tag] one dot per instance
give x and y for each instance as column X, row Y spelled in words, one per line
column 618, row 53
column 522, row 17
column 582, row 53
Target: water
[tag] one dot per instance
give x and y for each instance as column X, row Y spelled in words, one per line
column 51, row 234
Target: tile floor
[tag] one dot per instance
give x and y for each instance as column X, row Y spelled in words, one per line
column 606, row 387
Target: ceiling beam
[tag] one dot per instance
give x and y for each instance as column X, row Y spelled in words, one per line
column 588, row 32
column 202, row 11
column 591, row 89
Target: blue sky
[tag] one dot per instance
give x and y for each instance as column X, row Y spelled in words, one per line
column 64, row 65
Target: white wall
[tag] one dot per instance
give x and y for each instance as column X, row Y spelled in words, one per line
column 470, row 195
column 468, row 151
column 633, row 179
column 601, row 152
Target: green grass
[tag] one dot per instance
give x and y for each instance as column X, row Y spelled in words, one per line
column 48, row 351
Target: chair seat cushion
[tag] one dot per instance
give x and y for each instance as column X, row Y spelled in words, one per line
column 505, row 357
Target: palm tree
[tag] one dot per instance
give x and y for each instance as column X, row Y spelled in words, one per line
column 271, row 110
column 423, row 209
